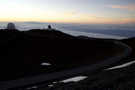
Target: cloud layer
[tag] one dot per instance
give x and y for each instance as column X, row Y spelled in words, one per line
column 130, row 7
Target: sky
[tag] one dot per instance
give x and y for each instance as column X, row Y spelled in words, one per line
column 69, row 11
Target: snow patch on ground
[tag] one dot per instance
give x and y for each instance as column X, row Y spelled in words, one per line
column 121, row 66
column 75, row 79
column 31, row 88
column 45, row 64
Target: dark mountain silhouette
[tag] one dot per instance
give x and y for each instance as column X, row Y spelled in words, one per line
column 22, row 52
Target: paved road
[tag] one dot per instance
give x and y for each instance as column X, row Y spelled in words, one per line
column 57, row 75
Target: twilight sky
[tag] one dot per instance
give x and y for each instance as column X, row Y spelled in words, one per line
column 69, row 11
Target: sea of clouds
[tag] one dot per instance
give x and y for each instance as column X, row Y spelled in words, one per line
column 92, row 30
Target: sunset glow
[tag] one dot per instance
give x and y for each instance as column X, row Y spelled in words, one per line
column 69, row 11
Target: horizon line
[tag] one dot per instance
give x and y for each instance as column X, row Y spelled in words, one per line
column 64, row 22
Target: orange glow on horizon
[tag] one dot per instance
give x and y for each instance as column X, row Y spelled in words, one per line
column 80, row 20
column 68, row 17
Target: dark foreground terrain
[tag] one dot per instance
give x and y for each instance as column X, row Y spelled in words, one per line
column 117, row 79
column 23, row 52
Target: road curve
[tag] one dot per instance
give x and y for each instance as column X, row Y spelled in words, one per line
column 76, row 71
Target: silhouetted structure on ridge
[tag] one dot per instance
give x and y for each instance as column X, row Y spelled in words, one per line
column 49, row 27
column 11, row 26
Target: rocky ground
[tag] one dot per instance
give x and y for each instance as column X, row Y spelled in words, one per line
column 19, row 49
column 117, row 79
column 22, row 52
column 122, row 78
